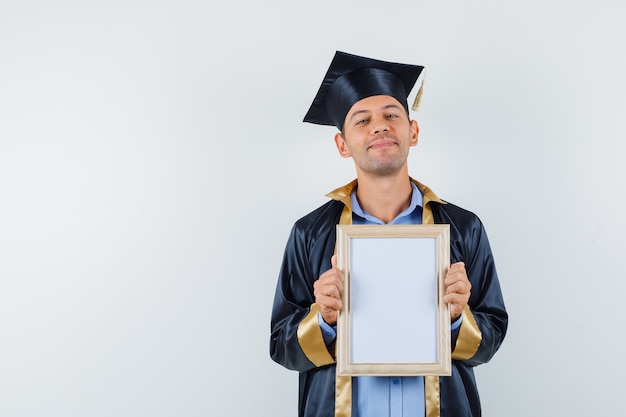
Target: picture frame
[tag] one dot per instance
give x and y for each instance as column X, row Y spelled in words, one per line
column 394, row 321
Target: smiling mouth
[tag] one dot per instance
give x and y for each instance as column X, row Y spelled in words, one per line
column 382, row 143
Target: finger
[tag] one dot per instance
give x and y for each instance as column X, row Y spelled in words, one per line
column 455, row 299
column 456, row 272
column 460, row 287
column 333, row 291
column 456, row 268
column 330, row 317
column 457, row 265
column 455, row 311
column 452, row 287
column 329, row 305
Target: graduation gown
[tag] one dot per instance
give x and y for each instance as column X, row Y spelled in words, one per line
column 296, row 341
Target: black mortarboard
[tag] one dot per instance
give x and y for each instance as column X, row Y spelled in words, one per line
column 351, row 78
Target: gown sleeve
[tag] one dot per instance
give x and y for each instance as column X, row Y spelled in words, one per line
column 485, row 318
column 296, row 340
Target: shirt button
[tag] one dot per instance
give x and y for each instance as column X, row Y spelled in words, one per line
column 396, row 381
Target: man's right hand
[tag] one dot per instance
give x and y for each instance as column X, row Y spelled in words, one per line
column 327, row 290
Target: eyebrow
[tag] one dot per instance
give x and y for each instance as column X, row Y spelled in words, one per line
column 386, row 107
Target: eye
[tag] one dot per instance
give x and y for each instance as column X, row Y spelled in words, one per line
column 392, row 116
column 361, row 121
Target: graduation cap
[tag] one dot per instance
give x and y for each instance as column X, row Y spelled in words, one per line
column 351, row 78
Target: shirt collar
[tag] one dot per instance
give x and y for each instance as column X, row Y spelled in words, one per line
column 416, row 201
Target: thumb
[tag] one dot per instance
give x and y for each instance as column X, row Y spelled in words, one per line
column 333, row 261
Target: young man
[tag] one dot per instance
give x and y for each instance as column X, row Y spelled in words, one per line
column 366, row 99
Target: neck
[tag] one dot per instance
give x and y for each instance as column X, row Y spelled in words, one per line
column 384, row 197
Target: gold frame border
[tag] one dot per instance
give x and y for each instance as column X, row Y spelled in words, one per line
column 443, row 366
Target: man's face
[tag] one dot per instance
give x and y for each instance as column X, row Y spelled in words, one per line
column 377, row 134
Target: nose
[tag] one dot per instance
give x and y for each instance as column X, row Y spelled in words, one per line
column 380, row 124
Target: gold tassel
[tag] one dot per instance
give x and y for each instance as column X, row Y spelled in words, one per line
column 418, row 97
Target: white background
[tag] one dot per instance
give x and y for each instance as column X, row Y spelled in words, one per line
column 153, row 159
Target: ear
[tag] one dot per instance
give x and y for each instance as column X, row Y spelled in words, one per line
column 342, row 146
column 415, row 130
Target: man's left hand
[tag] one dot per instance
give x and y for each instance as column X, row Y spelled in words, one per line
column 457, row 289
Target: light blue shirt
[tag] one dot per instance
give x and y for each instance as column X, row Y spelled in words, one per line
column 378, row 396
